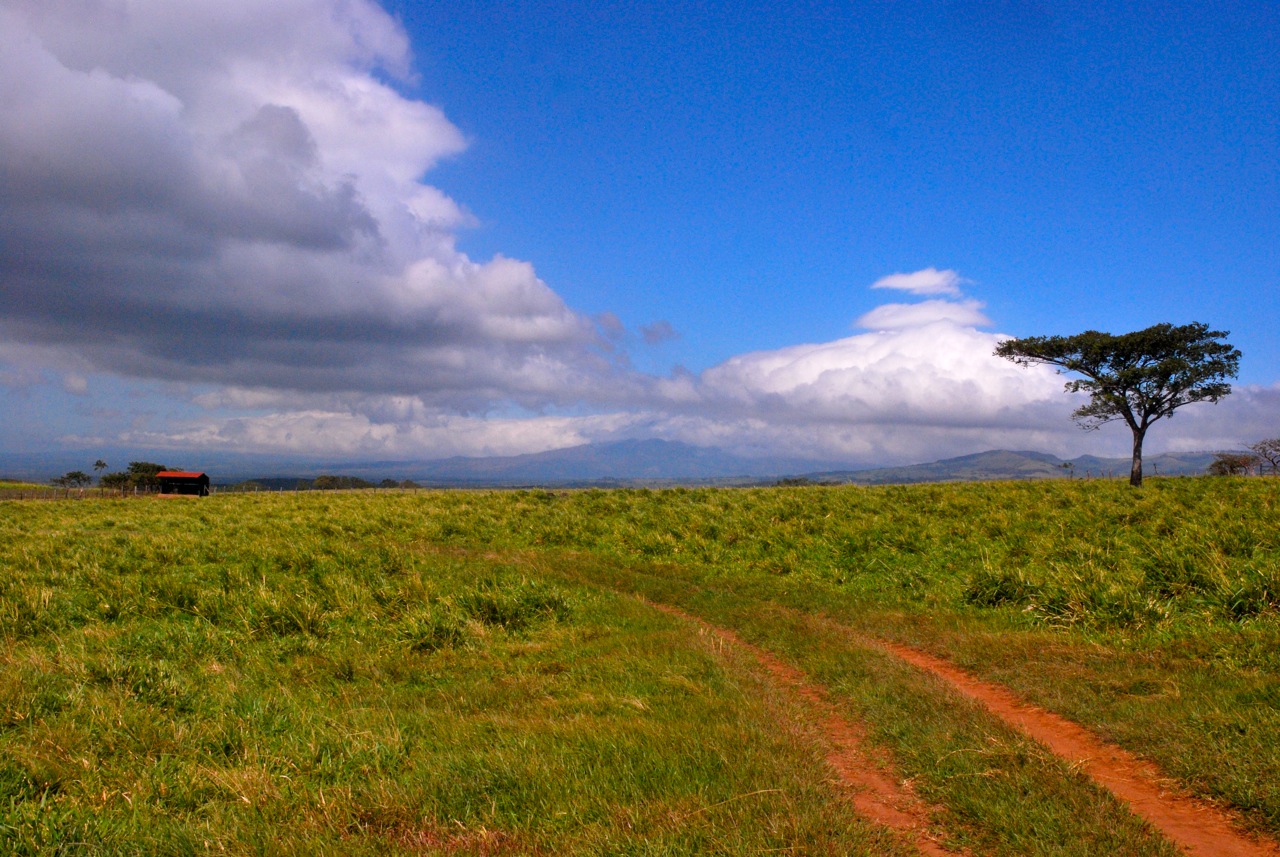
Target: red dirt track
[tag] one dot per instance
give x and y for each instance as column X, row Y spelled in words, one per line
column 874, row 794
column 1196, row 826
column 1199, row 828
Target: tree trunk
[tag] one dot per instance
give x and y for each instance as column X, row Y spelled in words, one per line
column 1135, row 472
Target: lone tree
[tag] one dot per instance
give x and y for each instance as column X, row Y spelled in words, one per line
column 1137, row 377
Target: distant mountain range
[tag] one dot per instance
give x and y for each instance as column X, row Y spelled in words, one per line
column 622, row 463
column 1006, row 464
column 660, row 462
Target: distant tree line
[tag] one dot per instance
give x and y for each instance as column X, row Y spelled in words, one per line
column 320, row 483
column 347, row 483
column 339, row 483
column 139, row 476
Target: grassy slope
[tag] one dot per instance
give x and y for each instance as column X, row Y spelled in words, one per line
column 179, row 675
column 1149, row 615
column 358, row 664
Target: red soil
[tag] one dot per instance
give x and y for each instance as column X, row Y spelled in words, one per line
column 875, row 794
column 1198, row 827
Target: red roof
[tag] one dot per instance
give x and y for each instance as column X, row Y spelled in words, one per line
column 178, row 474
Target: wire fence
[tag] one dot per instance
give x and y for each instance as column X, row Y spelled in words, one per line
column 46, row 492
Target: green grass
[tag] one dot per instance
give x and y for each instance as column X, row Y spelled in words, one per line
column 16, row 486
column 175, row 680
column 466, row 672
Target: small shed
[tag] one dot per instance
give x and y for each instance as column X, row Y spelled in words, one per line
column 186, row 482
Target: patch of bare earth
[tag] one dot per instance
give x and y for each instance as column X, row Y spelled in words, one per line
column 875, row 794
column 1196, row 826
column 474, row 843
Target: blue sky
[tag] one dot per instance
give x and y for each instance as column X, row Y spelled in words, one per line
column 1087, row 166
column 424, row 229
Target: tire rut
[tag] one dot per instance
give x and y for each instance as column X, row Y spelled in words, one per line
column 875, row 795
column 1196, row 826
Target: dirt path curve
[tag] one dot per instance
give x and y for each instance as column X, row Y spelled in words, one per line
column 1199, row 828
column 874, row 794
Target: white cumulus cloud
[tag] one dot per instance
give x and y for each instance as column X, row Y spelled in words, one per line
column 902, row 316
column 231, row 193
column 353, row 433
column 928, row 281
column 940, row 373
column 224, row 203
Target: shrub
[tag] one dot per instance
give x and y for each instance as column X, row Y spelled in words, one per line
column 433, row 627
column 515, row 608
column 1256, row 593
column 989, row 587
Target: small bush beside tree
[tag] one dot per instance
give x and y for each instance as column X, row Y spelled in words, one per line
column 1233, row 464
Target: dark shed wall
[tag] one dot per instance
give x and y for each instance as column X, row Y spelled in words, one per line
column 190, row 485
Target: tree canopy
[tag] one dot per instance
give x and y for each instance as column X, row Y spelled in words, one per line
column 1233, row 463
column 73, row 479
column 115, row 481
column 140, row 475
column 1268, row 452
column 339, row 483
column 143, row 474
column 1137, row 377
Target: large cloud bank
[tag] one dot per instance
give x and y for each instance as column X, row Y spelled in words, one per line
column 226, row 201
column 225, row 191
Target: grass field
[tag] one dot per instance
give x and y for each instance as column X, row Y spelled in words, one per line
column 16, row 488
column 483, row 672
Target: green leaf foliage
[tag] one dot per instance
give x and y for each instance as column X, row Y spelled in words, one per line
column 1138, row 377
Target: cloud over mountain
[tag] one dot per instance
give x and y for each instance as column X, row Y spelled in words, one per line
column 223, row 206
column 922, row 377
